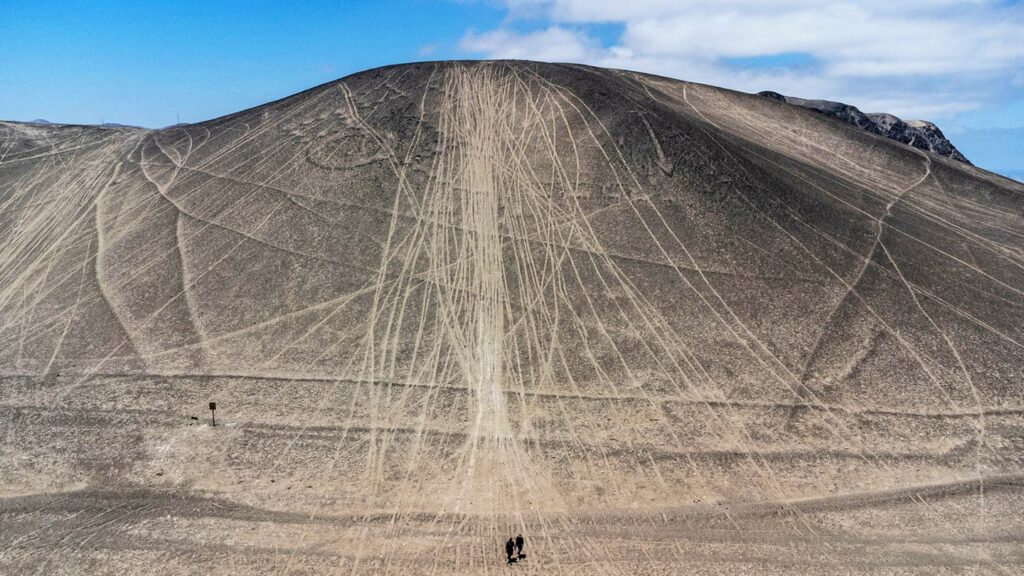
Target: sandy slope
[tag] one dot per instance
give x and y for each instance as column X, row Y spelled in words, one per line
column 657, row 327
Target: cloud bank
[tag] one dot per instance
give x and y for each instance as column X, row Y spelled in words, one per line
column 915, row 58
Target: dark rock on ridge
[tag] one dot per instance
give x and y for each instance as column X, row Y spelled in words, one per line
column 917, row 133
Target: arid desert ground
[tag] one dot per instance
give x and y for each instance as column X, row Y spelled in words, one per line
column 654, row 326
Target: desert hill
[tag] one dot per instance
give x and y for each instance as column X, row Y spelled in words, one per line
column 657, row 327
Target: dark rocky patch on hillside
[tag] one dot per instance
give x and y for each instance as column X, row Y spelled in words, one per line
column 917, row 133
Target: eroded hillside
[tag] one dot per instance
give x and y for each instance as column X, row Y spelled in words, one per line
column 657, row 327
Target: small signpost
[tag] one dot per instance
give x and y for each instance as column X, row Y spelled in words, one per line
column 213, row 412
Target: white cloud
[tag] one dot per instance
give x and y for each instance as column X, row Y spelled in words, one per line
column 929, row 58
column 555, row 44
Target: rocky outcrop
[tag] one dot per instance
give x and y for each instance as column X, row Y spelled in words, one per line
column 916, row 133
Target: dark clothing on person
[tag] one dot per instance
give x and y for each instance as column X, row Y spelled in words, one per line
column 519, row 546
column 510, row 550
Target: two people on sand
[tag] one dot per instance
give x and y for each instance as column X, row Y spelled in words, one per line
column 514, row 549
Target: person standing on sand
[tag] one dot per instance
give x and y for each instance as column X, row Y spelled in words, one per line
column 519, row 547
column 510, row 550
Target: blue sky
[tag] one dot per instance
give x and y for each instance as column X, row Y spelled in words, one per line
column 956, row 62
